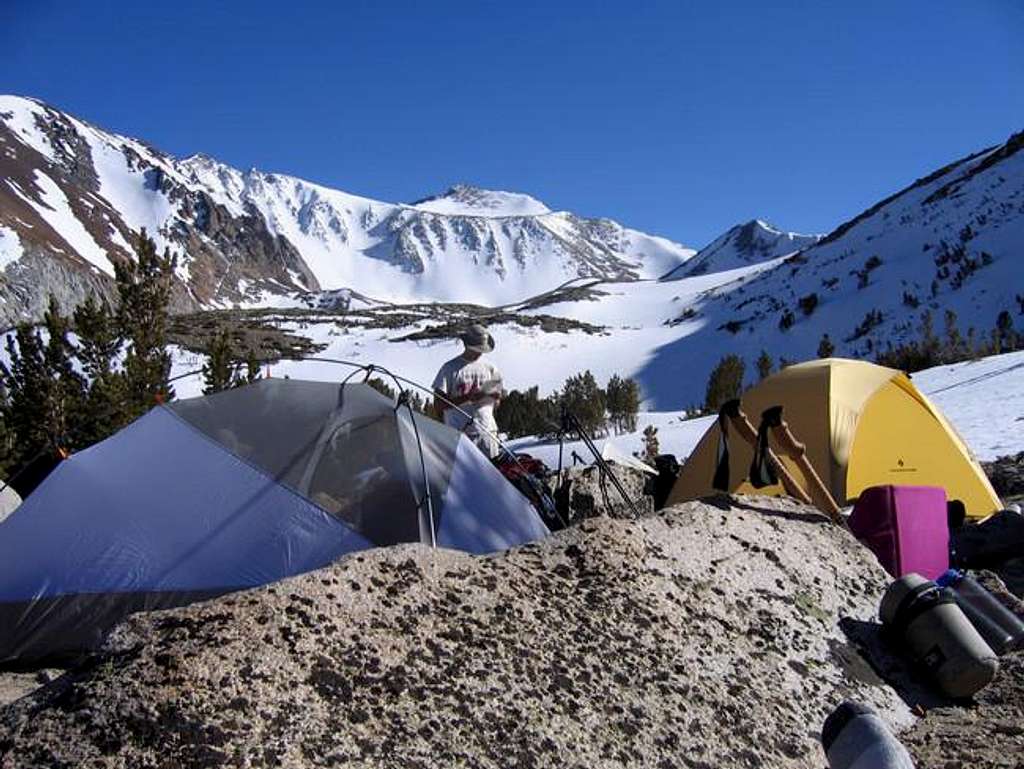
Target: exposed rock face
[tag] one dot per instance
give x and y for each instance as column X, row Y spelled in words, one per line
column 1007, row 475
column 702, row 636
column 27, row 285
column 590, row 498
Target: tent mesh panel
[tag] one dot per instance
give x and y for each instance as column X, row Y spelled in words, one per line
column 341, row 447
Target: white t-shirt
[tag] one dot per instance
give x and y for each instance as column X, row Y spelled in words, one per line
column 458, row 377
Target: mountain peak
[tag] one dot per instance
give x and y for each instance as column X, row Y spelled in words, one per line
column 468, row 200
column 751, row 242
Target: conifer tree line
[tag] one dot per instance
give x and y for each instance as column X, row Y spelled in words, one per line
column 423, row 405
column 931, row 348
column 599, row 410
column 77, row 379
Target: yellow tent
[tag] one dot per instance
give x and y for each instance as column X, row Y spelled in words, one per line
column 864, row 425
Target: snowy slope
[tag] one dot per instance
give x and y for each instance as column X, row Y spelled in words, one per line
column 743, row 245
column 949, row 242
column 984, row 399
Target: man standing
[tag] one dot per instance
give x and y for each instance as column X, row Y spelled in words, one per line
column 474, row 385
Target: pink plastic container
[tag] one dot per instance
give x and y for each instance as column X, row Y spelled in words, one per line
column 906, row 527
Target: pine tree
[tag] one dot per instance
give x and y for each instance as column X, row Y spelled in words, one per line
column 764, row 365
column 956, row 348
column 253, row 371
column 6, row 437
column 144, row 288
column 623, row 403
column 930, row 347
column 98, row 346
column 71, row 386
column 30, row 393
column 382, row 387
column 219, row 371
column 1005, row 337
column 582, row 397
column 725, row 382
column 45, row 395
column 825, row 347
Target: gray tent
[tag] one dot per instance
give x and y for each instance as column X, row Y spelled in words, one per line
column 220, row 493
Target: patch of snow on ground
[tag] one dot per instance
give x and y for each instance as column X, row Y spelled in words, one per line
column 10, row 247
column 57, row 212
column 984, row 399
column 676, row 435
column 139, row 204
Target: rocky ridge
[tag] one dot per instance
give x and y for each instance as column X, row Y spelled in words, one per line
column 705, row 635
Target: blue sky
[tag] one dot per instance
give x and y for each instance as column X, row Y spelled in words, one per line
column 676, row 118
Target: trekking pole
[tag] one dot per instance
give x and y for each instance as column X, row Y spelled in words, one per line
column 797, row 451
column 749, row 434
column 568, row 418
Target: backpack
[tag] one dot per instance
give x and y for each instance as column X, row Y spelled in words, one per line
column 530, row 476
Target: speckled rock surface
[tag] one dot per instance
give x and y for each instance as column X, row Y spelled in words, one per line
column 706, row 635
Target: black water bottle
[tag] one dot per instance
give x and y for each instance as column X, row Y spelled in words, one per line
column 1000, row 627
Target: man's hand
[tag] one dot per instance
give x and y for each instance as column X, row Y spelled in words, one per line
column 471, row 396
column 445, row 401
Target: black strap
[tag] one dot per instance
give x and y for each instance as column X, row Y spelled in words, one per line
column 721, row 478
column 762, row 473
column 916, row 602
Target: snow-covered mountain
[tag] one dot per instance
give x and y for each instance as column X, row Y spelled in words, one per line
column 71, row 195
column 740, row 246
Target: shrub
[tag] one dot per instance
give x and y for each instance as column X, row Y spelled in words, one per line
column 872, row 319
column 825, row 347
column 787, row 320
column 382, row 387
column 525, row 413
column 808, row 303
column 651, row 448
column 764, row 365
